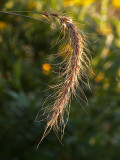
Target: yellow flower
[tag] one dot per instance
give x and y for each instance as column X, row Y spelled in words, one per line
column 78, row 2
column 46, row 68
column 9, row 5
column 116, row 3
column 105, row 31
column 117, row 42
column 31, row 6
column 85, row 2
column 3, row 25
column 118, row 73
column 99, row 77
column 68, row 3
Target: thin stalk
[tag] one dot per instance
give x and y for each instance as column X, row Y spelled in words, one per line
column 16, row 14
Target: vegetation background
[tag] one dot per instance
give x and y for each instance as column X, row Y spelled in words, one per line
column 26, row 72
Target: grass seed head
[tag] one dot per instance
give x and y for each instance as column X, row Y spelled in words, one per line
column 77, row 65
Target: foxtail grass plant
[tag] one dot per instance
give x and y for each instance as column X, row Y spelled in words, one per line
column 74, row 74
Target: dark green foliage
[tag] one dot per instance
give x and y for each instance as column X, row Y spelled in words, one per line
column 24, row 46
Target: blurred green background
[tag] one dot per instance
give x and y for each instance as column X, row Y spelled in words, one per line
column 26, row 71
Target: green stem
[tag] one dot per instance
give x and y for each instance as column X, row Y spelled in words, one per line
column 104, row 7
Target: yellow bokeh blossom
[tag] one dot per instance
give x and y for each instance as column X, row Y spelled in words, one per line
column 116, row 3
column 99, row 77
column 118, row 73
column 78, row 2
column 85, row 2
column 3, row 25
column 68, row 2
column 105, row 31
column 31, row 6
column 117, row 42
column 46, row 68
column 9, row 5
